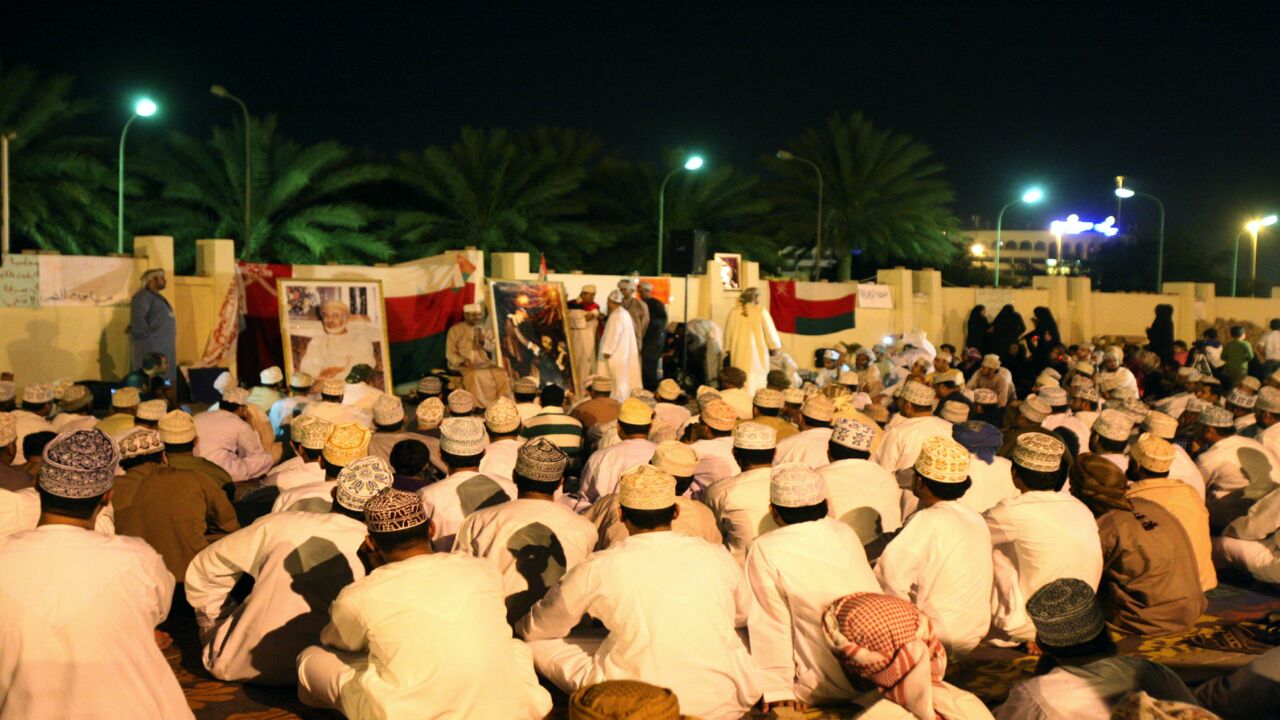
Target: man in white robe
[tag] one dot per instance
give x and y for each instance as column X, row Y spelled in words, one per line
column 78, row 609
column 532, row 540
column 861, row 494
column 693, row 518
column 642, row 590
column 749, row 335
column 1039, row 536
column 299, row 562
column 619, row 352
column 502, row 420
column 741, row 503
column 1251, row 543
column 423, row 633
column 902, row 442
column 33, row 416
column 1184, row 468
column 584, row 326
column 1238, row 471
column 282, row 411
column 809, row 446
column 796, row 571
column 464, row 489
column 333, row 353
column 941, row 559
column 307, row 435
column 605, row 467
column 714, row 447
column 227, row 440
column 469, row 351
column 1114, row 375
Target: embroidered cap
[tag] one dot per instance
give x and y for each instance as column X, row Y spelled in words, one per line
column 985, row 396
column 848, row 377
column 361, row 480
column 463, row 436
column 1034, row 408
column 235, row 396
column 525, row 386
column 8, row 430
column 152, row 410
column 430, row 413
column 271, row 376
column 794, row 485
column 793, row 396
column 1135, row 409
column 310, row 431
column 79, row 464
column 393, row 510
column 502, row 416
column 1242, row 399
column 541, row 461
column 991, row 360
column 1160, row 425
column 1251, row 383
column 37, row 394
column 1195, row 405
column 301, row 381
column 346, row 444
column 1055, row 396
column 177, row 428
column 1153, row 453
column 830, row 354
column 1065, row 613
column 645, row 487
column 754, row 436
column 430, row 385
column 954, row 411
column 918, row 393
column 139, row 442
column 769, row 399
column 333, row 387
column 635, row 412
column 948, row 376
column 877, row 412
column 719, row 415
column 1216, row 416
column 125, row 398
column 601, row 383
column 461, row 402
column 1268, row 400
column 224, row 380
column 388, row 410
column 668, row 389
column 1114, row 425
column 1084, row 367
column 818, row 408
column 943, row 460
column 645, row 397
column 7, row 390
column 1039, row 452
column 853, row 434
column 676, row 458
column 1088, row 393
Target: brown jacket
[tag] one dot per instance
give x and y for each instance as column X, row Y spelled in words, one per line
column 173, row 511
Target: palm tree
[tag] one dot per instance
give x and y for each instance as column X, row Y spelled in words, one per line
column 305, row 198
column 885, row 196
column 61, row 191
column 718, row 199
column 501, row 192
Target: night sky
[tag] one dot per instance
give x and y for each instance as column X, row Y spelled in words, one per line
column 1183, row 103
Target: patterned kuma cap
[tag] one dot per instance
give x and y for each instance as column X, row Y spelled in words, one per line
column 346, row 444
column 1055, row 396
column 271, row 376
column 848, row 377
column 602, row 383
column 1065, row 613
column 1242, row 399
column 139, row 442
column 769, row 399
column 1251, row 382
column 754, row 436
column 1153, row 453
column 668, row 389
column 991, row 360
column 793, row 396
column 301, row 381
column 79, row 464
column 388, row 410
column 152, row 410
column 1088, row 393
column 634, row 411
column 541, row 460
column 794, row 485
column 954, row 412
column 1114, row 425
column 645, row 397
column 430, row 413
column 430, row 385
column 918, row 393
column 985, row 396
column 37, row 394
column 525, row 386
column 718, row 415
column 235, row 396
column 310, row 431
column 125, row 397
column 8, row 391
column 1216, row 416
column 361, row 480
column 75, row 399
column 943, row 460
column 1034, row 408
column 1268, row 400
column 333, row 387
column 818, row 408
column 8, row 430
column 393, row 510
column 461, row 402
column 463, row 436
column 645, row 487
column 1160, row 425
column 1038, row 452
column 853, row 435
column 676, row 458
column 177, row 428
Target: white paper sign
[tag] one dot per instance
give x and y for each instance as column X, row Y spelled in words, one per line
column 875, row 296
column 20, row 281
column 83, row 280
column 993, row 299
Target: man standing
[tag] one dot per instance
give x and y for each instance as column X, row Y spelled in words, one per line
column 584, row 329
column 653, row 636
column 469, row 350
column 619, row 350
column 655, row 337
column 749, row 335
column 636, row 308
column 422, row 631
column 78, row 634
column 152, row 327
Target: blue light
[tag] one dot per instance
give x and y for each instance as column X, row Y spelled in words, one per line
column 1073, row 225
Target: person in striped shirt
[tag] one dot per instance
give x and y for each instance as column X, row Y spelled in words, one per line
column 564, row 431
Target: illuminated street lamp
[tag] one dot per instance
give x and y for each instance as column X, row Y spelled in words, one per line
column 1030, row 197
column 817, row 246
column 1124, row 193
column 978, row 250
column 692, row 164
column 1252, row 227
column 221, row 92
column 143, row 108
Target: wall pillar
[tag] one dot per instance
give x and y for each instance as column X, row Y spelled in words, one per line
column 928, row 316
column 510, row 266
column 904, row 305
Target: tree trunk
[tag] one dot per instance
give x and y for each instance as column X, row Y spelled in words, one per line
column 846, row 267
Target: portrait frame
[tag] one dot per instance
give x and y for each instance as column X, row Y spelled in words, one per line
column 546, row 314
column 300, row 301
column 732, row 261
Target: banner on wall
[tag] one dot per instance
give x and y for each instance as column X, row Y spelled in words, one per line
column 809, row 308
column 661, row 288
column 20, row 281
column 993, row 299
column 877, row 297
column 85, row 280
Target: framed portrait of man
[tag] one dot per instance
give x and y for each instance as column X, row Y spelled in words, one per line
column 730, row 270
column 531, row 325
column 330, row 326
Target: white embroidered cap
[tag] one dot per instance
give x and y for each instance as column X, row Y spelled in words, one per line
column 795, row 485
column 754, row 436
column 359, row 481
column 943, row 460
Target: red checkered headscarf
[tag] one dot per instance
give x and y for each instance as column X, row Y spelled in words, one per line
column 892, row 644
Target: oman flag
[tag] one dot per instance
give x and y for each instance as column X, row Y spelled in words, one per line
column 810, row 308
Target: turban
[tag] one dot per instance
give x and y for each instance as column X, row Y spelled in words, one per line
column 1099, row 484
column 892, row 644
column 980, row 438
column 624, row 700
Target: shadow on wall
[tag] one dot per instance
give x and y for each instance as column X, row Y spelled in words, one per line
column 39, row 349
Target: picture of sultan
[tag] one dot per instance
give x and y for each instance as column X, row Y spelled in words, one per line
column 333, row 353
column 331, row 326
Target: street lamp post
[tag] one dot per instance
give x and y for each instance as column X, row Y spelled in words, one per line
column 1030, row 197
column 1123, row 193
column 221, row 92
column 692, row 164
column 1252, row 227
column 143, row 108
column 817, row 245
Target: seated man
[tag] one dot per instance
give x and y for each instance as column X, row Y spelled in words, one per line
column 306, row 436
column 766, row 409
column 282, row 411
column 78, row 638
column 809, row 446
column 388, row 426
column 423, row 631
column 1038, row 536
column 465, row 489
column 502, row 420
column 299, row 561
column 1238, row 471
column 741, row 503
column 795, row 573
column 343, row 445
column 1251, row 543
column 714, row 445
column 532, row 540
column 693, row 519
column 643, row 590
column 941, row 560
column 1080, row 675
column 227, row 440
column 861, row 493
column 604, row 467
column 903, row 441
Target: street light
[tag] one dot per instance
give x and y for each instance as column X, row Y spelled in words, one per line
column 693, row 163
column 1252, row 227
column 1124, row 193
column 817, row 246
column 1030, row 197
column 221, row 92
column 143, row 108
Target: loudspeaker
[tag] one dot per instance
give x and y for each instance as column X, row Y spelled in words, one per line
column 688, row 252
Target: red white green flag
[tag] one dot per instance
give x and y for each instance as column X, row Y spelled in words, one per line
column 810, row 308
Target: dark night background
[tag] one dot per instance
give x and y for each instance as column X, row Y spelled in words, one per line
column 1182, row 101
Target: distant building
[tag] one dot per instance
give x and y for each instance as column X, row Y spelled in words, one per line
column 1059, row 250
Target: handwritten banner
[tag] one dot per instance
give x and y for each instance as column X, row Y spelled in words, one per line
column 20, row 281
column 84, row 280
column 875, row 296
